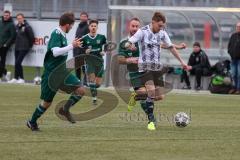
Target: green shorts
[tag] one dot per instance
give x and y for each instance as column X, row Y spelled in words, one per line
column 98, row 70
column 52, row 82
column 136, row 80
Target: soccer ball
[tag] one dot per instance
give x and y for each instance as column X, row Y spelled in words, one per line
column 37, row 80
column 181, row 119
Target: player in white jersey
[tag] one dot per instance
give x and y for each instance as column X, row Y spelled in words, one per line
column 150, row 38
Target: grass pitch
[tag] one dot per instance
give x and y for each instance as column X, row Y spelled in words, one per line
column 214, row 133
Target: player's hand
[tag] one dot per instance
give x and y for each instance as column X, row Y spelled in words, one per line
column 133, row 47
column 77, row 43
column 88, row 51
column 183, row 46
column 102, row 53
column 132, row 60
column 186, row 67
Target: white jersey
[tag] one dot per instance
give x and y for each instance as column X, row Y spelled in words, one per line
column 150, row 49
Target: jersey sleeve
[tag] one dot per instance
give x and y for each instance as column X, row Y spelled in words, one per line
column 121, row 50
column 166, row 40
column 84, row 44
column 104, row 41
column 136, row 37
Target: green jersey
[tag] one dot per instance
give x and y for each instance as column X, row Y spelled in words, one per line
column 132, row 68
column 95, row 44
column 57, row 39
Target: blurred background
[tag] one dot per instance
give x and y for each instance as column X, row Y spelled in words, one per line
column 211, row 22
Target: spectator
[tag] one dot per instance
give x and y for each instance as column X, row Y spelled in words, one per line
column 77, row 52
column 234, row 52
column 7, row 37
column 200, row 66
column 24, row 42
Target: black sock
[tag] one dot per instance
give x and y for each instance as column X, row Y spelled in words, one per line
column 150, row 108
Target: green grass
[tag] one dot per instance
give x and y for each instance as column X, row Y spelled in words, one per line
column 214, row 133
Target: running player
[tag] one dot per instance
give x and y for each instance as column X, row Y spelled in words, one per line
column 150, row 37
column 93, row 43
column 55, row 61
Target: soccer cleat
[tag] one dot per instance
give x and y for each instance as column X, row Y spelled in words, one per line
column 33, row 126
column 66, row 114
column 132, row 101
column 151, row 126
column 94, row 101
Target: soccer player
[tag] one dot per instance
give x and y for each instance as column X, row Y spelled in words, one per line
column 55, row 61
column 93, row 43
column 150, row 38
column 130, row 58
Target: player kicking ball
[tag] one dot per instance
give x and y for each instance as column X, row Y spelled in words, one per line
column 150, row 39
column 55, row 61
column 94, row 43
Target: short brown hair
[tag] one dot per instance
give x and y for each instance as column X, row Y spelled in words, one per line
column 7, row 11
column 84, row 13
column 66, row 18
column 158, row 16
column 20, row 14
column 93, row 21
column 134, row 19
column 197, row 44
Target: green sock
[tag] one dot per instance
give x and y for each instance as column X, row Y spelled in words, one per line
column 93, row 89
column 37, row 113
column 73, row 99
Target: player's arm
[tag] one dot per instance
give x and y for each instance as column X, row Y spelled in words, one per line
column 104, row 43
column 59, row 51
column 137, row 37
column 177, row 46
column 174, row 51
column 122, row 56
column 129, row 60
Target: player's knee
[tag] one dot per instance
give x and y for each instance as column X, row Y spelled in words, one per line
column 160, row 97
column 80, row 91
column 46, row 104
column 141, row 91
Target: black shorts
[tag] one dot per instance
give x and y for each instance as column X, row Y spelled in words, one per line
column 156, row 76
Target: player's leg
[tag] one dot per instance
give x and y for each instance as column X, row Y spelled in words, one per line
column 39, row 111
column 150, row 103
column 98, row 81
column 77, row 93
column 91, row 71
column 93, row 87
column 47, row 95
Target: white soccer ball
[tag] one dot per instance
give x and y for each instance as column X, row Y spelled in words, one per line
column 37, row 80
column 181, row 119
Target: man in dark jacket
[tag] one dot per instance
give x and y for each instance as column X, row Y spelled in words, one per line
column 234, row 52
column 78, row 52
column 24, row 42
column 200, row 66
column 7, row 37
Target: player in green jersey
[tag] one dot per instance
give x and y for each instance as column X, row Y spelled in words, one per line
column 93, row 43
column 55, row 75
